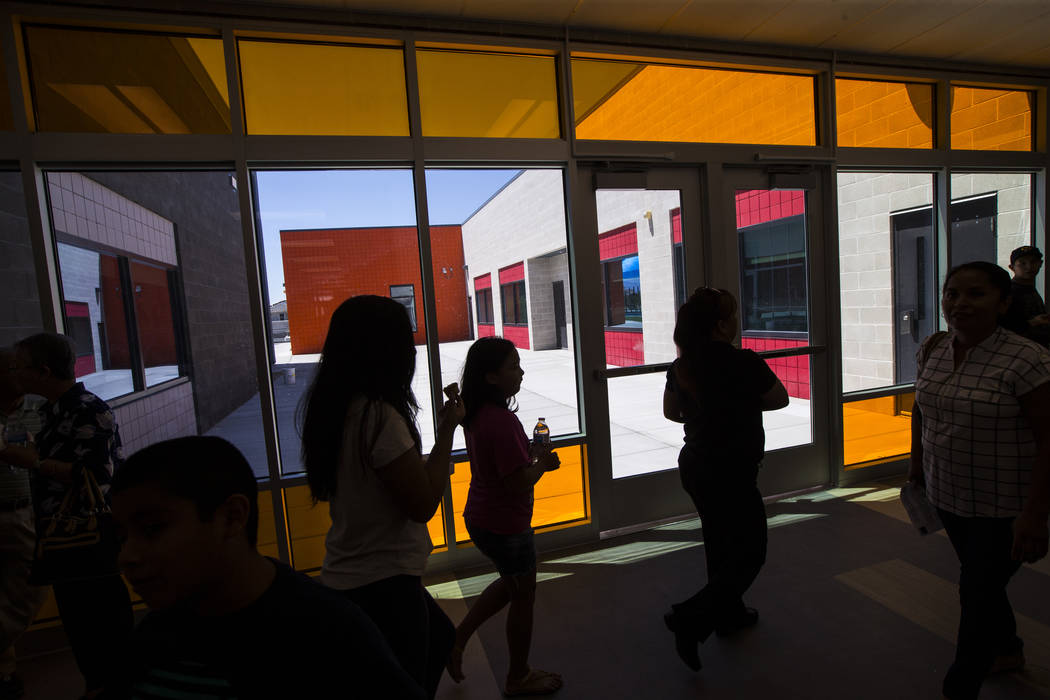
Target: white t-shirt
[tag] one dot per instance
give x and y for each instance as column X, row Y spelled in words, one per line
column 371, row 538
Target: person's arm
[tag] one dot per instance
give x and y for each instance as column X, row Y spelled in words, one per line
column 672, row 409
column 417, row 485
column 27, row 458
column 775, row 398
column 544, row 460
column 915, row 473
column 1030, row 527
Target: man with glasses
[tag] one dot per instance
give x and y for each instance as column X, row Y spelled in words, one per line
column 20, row 421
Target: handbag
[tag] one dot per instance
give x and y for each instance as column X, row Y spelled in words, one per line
column 74, row 542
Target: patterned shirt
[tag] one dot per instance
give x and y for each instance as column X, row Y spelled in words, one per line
column 17, row 427
column 978, row 447
column 80, row 429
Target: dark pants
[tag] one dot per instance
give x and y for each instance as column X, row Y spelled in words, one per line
column 96, row 614
column 733, row 518
column 986, row 624
column 416, row 628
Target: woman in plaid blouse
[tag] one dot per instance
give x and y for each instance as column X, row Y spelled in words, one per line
column 981, row 448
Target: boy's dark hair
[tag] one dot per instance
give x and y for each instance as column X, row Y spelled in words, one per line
column 485, row 355
column 997, row 276
column 201, row 468
column 50, row 350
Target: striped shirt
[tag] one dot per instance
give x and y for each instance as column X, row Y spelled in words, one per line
column 978, row 447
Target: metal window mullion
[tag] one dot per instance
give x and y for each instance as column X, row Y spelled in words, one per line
column 255, row 297
column 426, row 265
column 131, row 323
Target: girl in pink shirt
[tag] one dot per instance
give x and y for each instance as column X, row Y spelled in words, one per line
column 498, row 513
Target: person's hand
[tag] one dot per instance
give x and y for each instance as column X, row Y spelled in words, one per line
column 1030, row 537
column 1040, row 320
column 549, row 461
column 452, row 411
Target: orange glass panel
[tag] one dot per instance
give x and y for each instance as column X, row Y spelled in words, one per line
column 487, row 95
column 308, row 525
column 266, row 542
column 881, row 114
column 323, row 89
column 560, row 496
column 122, row 82
column 640, row 102
column 991, row 120
column 876, row 429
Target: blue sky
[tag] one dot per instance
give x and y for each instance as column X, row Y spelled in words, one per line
column 298, row 199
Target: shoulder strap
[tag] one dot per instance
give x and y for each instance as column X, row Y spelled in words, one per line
column 930, row 343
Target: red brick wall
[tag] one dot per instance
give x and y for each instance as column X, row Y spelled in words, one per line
column 512, row 273
column 519, row 335
column 618, row 243
column 624, row 348
column 759, row 206
column 323, row 267
column 486, row 330
column 483, row 281
column 116, row 339
column 85, row 364
column 153, row 313
column 676, row 225
column 793, row 372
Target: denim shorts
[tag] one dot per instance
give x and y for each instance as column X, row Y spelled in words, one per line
column 512, row 554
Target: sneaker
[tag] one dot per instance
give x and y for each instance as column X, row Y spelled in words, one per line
column 11, row 687
column 747, row 618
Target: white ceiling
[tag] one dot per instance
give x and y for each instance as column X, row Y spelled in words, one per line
column 1009, row 32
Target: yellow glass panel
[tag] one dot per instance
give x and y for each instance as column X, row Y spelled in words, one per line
column 876, row 429
column 640, row 102
column 881, row 114
column 487, row 95
column 560, row 496
column 308, row 525
column 122, row 82
column 266, row 542
column 323, row 89
column 991, row 120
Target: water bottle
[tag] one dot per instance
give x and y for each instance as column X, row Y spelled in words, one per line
column 541, row 434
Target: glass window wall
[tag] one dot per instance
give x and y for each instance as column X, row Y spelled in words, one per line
column 882, row 114
column 991, row 120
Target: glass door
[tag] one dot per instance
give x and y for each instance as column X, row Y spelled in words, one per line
column 649, row 257
column 767, row 257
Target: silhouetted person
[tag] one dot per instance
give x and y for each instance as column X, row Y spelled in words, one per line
column 361, row 449
column 226, row 621
column 1026, row 314
column 504, row 469
column 719, row 393
column 20, row 421
column 79, row 435
column 981, row 449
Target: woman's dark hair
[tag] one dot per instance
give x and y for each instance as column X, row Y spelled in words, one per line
column 997, row 276
column 485, row 355
column 696, row 322
column 369, row 351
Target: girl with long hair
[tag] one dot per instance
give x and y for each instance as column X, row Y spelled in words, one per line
column 361, row 449
column 498, row 512
column 719, row 392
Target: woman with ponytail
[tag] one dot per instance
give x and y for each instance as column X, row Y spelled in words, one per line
column 719, row 392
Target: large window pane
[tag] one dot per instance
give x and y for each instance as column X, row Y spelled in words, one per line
column 323, row 89
column 887, row 275
column 513, row 272
column 880, row 114
column 627, row 101
column 168, row 248
column 88, row 80
column 20, row 312
column 875, row 430
column 487, row 94
column 774, row 301
column 991, row 120
column 991, row 214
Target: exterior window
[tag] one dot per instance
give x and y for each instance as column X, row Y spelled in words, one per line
column 678, row 258
column 773, row 276
column 484, row 299
column 405, row 294
column 623, row 293
column 512, row 300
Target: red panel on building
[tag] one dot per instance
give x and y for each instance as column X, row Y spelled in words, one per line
column 624, row 349
column 513, row 273
column 676, row 225
column 85, row 362
column 486, row 330
column 519, row 335
column 759, row 206
column 113, row 321
column 618, row 243
column 483, row 282
column 323, row 267
column 793, row 372
column 153, row 314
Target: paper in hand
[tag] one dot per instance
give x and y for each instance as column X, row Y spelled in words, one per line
column 921, row 512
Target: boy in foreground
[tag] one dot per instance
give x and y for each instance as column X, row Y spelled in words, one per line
column 227, row 621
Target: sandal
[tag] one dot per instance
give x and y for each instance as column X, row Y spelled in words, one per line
column 535, row 682
column 455, row 664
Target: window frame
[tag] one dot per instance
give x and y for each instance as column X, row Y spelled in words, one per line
column 409, row 308
column 606, row 302
column 518, row 306
column 483, row 299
